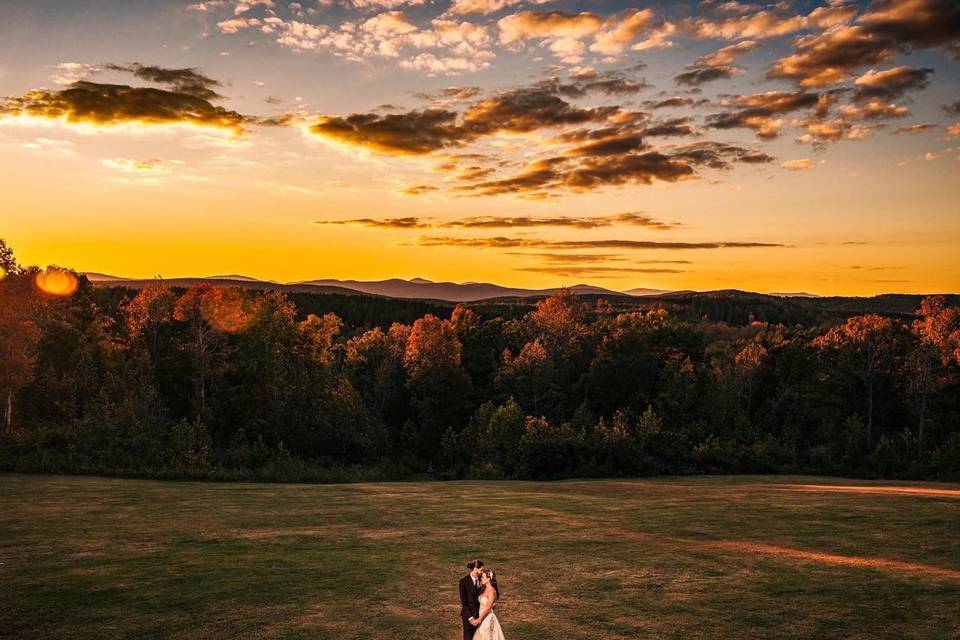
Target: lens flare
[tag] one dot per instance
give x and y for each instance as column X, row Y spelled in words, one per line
column 57, row 282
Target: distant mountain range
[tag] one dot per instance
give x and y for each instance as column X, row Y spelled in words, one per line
column 416, row 288
column 727, row 304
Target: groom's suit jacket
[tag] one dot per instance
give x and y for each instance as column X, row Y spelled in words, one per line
column 469, row 599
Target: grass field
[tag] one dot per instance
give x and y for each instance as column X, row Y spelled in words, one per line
column 705, row 557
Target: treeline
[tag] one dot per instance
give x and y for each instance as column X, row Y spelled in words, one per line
column 225, row 383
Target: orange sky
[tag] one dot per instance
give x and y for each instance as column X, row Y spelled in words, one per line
column 516, row 143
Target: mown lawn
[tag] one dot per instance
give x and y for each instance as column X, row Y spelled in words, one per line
column 704, row 558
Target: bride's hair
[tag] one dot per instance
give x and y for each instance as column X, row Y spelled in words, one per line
column 493, row 580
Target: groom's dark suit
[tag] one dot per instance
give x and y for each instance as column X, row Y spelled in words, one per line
column 469, row 605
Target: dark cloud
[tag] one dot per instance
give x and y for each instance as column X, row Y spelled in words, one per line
column 952, row 109
column 387, row 223
column 673, row 127
column 412, row 133
column 890, row 84
column 502, row 242
column 520, row 110
column 674, row 102
column 187, row 81
column 916, row 128
column 699, row 76
column 451, row 94
column 759, row 111
column 419, row 189
column 617, row 144
column 115, row 104
column 632, row 219
column 717, row 155
column 474, row 173
column 590, row 258
column 528, row 109
column 885, row 27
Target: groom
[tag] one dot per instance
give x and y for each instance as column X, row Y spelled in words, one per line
column 470, row 598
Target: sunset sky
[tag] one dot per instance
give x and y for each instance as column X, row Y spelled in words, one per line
column 799, row 146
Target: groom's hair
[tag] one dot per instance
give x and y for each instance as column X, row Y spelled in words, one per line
column 474, row 564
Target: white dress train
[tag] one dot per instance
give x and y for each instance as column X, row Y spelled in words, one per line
column 489, row 629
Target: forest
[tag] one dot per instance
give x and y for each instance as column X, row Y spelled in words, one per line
column 242, row 384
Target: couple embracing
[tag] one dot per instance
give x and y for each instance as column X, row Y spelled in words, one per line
column 479, row 593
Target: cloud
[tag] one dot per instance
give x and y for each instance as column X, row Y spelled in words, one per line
column 90, row 103
column 70, row 72
column 587, row 148
column 620, row 33
column 697, row 77
column 766, row 24
column 885, row 27
column 676, row 101
column 435, row 65
column 418, row 190
column 467, row 7
column 444, row 47
column 530, row 108
column 384, row 223
column 62, row 147
column 758, row 111
column 502, row 242
column 671, row 128
column 451, row 95
column 563, row 32
column 595, row 271
column 151, row 166
column 628, row 219
column 589, row 173
column 188, row 81
column 798, row 165
column 890, row 83
column 578, row 258
column 916, row 128
column 384, row 4
column 412, row 133
column 953, row 108
column 525, row 25
column 726, row 56
column 873, row 110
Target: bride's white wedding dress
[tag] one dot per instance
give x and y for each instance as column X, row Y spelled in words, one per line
column 489, row 629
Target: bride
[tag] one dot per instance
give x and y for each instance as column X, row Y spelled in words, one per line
column 488, row 627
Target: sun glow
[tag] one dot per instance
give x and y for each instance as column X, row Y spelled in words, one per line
column 57, row 282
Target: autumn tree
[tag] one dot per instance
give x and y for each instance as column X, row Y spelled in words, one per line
column 18, row 330
column 320, row 333
column 936, row 331
column 150, row 309
column 204, row 309
column 529, row 373
column 867, row 341
column 374, row 363
column 748, row 361
column 558, row 321
column 438, row 384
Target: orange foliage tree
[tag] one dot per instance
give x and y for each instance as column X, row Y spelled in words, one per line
column 868, row 340
column 147, row 311
column 937, row 334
